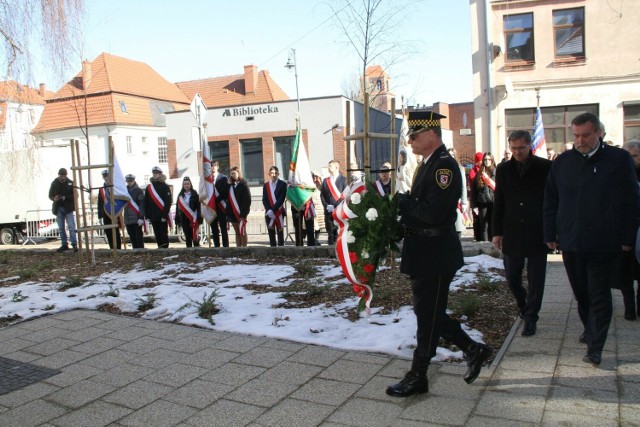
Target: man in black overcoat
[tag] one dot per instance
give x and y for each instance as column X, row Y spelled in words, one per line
column 517, row 225
column 432, row 253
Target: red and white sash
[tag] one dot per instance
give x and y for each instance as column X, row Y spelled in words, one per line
column 235, row 207
column 333, row 189
column 103, row 196
column 487, row 180
column 379, row 188
column 191, row 215
column 216, row 195
column 157, row 200
column 276, row 221
column 309, row 210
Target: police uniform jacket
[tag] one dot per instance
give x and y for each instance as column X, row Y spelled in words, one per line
column 151, row 210
column 517, row 207
column 592, row 205
column 431, row 244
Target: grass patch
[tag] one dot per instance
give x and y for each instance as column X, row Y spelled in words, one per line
column 146, row 302
column 465, row 303
column 17, row 297
column 112, row 292
column 70, row 282
column 306, row 268
column 206, row 308
column 486, row 284
column 29, row 272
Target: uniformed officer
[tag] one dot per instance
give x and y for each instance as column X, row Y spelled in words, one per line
column 432, row 253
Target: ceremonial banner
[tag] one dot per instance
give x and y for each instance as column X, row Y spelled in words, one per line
column 407, row 163
column 301, row 185
column 120, row 192
column 539, row 142
column 206, row 188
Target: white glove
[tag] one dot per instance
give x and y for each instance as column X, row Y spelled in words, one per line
column 140, row 222
column 330, row 208
column 270, row 214
column 163, row 220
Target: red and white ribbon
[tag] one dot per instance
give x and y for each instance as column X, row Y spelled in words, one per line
column 276, row 221
column 191, row 215
column 487, row 180
column 157, row 200
column 235, row 207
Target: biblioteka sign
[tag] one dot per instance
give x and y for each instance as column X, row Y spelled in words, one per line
column 249, row 111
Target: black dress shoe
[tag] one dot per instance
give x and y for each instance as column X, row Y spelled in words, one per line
column 476, row 358
column 529, row 329
column 411, row 384
column 593, row 358
column 582, row 338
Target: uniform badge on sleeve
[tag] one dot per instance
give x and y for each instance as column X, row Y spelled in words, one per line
column 443, row 178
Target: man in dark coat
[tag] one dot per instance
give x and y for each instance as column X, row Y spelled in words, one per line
column 274, row 193
column 432, row 253
column 157, row 205
column 517, row 225
column 219, row 225
column 61, row 194
column 103, row 205
column 591, row 207
column 331, row 196
column 134, row 213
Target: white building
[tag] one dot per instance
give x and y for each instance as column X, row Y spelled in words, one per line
column 576, row 55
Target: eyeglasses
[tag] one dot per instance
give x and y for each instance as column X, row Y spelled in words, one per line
column 415, row 134
column 520, row 148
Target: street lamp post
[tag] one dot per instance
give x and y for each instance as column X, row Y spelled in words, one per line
column 291, row 63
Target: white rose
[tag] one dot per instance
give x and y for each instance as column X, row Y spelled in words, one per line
column 372, row 214
column 364, row 255
column 356, row 198
column 350, row 237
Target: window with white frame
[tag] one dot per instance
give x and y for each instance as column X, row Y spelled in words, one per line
column 518, row 33
column 631, row 120
column 568, row 33
column 129, row 145
column 162, row 150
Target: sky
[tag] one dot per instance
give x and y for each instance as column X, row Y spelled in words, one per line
column 175, row 284
column 195, row 39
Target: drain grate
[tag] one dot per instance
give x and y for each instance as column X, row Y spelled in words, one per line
column 15, row 375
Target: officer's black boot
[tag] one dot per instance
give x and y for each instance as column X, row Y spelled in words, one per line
column 476, row 355
column 415, row 381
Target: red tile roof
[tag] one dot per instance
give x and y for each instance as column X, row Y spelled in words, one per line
column 112, row 79
column 230, row 90
column 15, row 92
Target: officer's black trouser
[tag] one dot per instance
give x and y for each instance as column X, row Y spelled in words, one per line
column 161, row 233
column 135, row 235
column 218, row 227
column 529, row 301
column 590, row 278
column 430, row 296
column 109, row 233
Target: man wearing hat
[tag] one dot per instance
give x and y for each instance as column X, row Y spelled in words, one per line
column 432, row 253
column 157, row 204
column 134, row 213
column 61, row 194
column 104, row 215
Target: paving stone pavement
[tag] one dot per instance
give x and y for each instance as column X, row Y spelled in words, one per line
column 127, row 372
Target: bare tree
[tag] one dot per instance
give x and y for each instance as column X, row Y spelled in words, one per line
column 372, row 29
column 52, row 23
